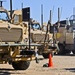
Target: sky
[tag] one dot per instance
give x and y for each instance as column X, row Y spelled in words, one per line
column 66, row 8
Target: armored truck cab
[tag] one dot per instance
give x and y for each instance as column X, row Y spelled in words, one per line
column 12, row 45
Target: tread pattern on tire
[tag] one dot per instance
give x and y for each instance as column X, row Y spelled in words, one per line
column 21, row 65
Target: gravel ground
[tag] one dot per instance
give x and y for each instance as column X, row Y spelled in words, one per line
column 62, row 65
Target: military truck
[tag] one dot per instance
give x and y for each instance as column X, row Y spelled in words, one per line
column 65, row 34
column 12, row 45
column 38, row 34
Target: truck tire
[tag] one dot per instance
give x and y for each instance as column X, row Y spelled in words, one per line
column 67, row 51
column 46, row 55
column 73, row 51
column 21, row 65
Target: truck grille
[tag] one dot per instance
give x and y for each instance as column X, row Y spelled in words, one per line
column 39, row 37
column 12, row 35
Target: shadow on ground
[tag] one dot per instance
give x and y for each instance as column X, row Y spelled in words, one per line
column 65, row 55
column 4, row 71
column 70, row 69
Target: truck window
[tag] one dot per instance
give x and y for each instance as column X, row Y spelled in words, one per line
column 3, row 16
column 35, row 26
column 16, row 19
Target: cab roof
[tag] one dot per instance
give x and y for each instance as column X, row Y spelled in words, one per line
column 2, row 9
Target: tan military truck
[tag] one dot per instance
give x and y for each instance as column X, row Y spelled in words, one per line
column 66, row 36
column 12, row 45
column 37, row 33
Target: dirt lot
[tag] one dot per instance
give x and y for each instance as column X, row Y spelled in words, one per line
column 63, row 65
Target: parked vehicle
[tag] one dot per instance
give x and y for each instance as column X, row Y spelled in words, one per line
column 38, row 34
column 12, row 44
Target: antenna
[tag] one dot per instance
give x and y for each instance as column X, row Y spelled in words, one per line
column 50, row 21
column 42, row 15
column 1, row 1
column 74, row 13
column 22, row 5
column 11, row 9
column 50, row 16
column 52, row 11
column 58, row 17
column 58, row 14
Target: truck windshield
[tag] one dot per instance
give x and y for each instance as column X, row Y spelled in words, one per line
column 3, row 16
column 35, row 26
column 72, row 22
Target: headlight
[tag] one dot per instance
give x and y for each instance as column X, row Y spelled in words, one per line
column 26, row 40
